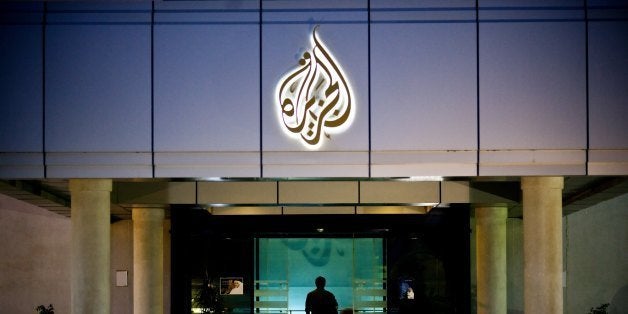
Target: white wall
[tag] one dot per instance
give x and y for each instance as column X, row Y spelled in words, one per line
column 595, row 245
column 34, row 258
column 596, row 254
column 122, row 259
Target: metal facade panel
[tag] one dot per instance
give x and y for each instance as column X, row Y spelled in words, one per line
column 21, row 90
column 608, row 162
column 423, row 163
column 313, row 192
column 237, row 192
column 315, row 164
column 21, row 165
column 207, row 68
column 423, row 77
column 154, row 193
column 286, row 36
column 98, row 107
column 21, row 108
column 399, row 192
column 98, row 78
column 608, row 78
column 207, row 164
column 532, row 78
column 532, row 162
column 98, row 165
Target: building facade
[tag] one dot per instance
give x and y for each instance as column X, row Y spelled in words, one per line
column 296, row 111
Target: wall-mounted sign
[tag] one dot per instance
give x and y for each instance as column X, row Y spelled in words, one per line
column 315, row 99
column 231, row 285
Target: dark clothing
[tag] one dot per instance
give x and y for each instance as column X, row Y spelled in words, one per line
column 321, row 301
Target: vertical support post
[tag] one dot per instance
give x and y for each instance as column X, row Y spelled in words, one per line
column 542, row 244
column 490, row 230
column 148, row 256
column 90, row 279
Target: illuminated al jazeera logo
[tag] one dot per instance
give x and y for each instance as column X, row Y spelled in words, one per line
column 315, row 98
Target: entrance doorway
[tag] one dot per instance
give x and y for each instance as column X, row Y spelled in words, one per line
column 372, row 263
column 355, row 270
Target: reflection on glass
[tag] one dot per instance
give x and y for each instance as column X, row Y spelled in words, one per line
column 286, row 269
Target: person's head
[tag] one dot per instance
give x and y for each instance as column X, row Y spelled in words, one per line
column 320, row 282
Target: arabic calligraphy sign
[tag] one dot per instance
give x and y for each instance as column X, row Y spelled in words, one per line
column 315, row 98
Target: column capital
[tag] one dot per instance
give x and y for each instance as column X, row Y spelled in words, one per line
column 76, row 185
column 148, row 213
column 492, row 211
column 489, row 205
column 542, row 182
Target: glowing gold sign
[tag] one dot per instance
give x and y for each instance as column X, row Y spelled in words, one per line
column 315, row 98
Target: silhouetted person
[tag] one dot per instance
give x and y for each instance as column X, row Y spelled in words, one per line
column 321, row 301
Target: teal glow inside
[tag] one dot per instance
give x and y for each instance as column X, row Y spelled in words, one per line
column 286, row 269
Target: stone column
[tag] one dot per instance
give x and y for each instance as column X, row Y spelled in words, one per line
column 542, row 245
column 490, row 231
column 90, row 276
column 148, row 257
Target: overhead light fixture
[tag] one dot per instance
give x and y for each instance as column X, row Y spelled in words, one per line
column 211, row 179
column 425, row 178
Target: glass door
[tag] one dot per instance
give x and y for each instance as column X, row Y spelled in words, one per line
column 285, row 270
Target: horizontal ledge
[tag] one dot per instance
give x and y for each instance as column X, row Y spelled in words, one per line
column 341, row 209
column 320, row 205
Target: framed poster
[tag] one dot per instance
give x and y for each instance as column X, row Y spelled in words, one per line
column 406, row 289
column 231, row 286
column 122, row 278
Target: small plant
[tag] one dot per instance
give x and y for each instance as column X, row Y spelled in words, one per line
column 45, row 310
column 600, row 309
column 208, row 298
